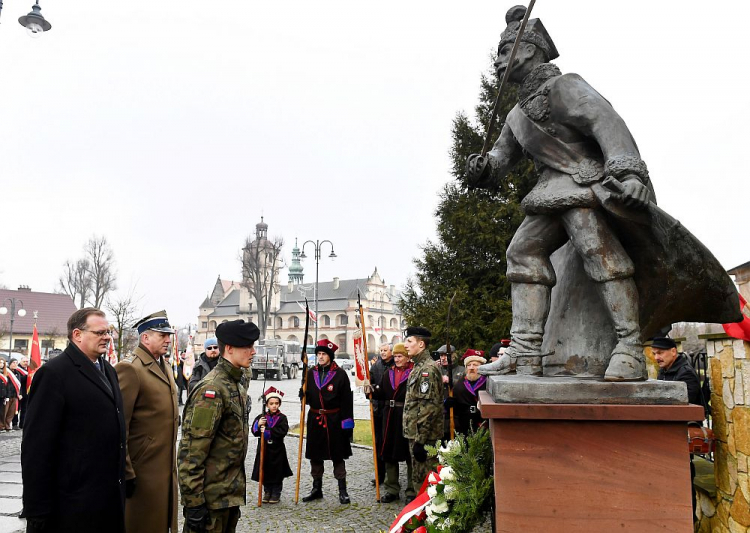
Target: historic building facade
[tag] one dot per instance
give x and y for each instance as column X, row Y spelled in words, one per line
column 337, row 307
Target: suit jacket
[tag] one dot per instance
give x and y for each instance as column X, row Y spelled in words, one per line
column 149, row 398
column 73, row 448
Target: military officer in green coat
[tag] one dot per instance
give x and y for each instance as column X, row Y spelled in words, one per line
column 423, row 406
column 214, row 436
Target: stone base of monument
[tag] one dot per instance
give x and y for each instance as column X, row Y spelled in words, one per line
column 592, row 465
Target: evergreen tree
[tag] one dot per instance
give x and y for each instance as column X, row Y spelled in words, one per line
column 474, row 229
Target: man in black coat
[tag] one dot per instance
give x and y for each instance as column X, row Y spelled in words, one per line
column 205, row 363
column 674, row 366
column 73, row 448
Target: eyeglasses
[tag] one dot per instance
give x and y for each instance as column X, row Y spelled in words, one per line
column 212, row 348
column 101, row 333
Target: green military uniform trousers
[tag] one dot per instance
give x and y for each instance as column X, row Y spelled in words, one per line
column 420, row 470
column 392, row 485
column 219, row 521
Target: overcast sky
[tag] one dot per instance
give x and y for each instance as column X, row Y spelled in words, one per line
column 171, row 127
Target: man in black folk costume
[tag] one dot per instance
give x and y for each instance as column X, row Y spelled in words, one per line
column 330, row 420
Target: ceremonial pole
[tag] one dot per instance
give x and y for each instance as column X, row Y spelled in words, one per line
column 372, row 414
column 303, row 401
column 449, row 354
column 262, row 433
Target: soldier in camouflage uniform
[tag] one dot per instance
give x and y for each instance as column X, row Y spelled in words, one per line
column 214, row 436
column 423, row 407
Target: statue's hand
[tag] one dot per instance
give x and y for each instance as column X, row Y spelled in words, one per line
column 634, row 193
column 477, row 170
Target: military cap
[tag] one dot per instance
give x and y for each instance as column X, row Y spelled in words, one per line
column 326, row 346
column 237, row 333
column 663, row 343
column 399, row 348
column 155, row 322
column 417, row 331
column 474, row 355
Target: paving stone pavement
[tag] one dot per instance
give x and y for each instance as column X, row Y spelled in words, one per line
column 10, row 483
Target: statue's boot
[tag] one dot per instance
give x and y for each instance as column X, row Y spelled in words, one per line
column 627, row 362
column 531, row 303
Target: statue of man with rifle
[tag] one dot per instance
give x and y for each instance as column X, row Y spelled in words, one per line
column 618, row 255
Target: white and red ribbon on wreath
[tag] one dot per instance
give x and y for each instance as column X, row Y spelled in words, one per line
column 418, row 505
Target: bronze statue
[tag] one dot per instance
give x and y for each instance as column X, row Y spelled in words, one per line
column 622, row 268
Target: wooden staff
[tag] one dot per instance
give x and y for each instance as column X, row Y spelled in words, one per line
column 262, row 435
column 372, row 414
column 450, row 365
column 303, row 401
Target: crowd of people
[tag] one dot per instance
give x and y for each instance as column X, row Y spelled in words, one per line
column 13, row 379
column 100, row 449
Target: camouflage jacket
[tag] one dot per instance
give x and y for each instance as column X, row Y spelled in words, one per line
column 423, row 407
column 215, row 430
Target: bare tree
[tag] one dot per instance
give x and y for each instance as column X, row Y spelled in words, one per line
column 122, row 310
column 76, row 281
column 102, row 274
column 260, row 274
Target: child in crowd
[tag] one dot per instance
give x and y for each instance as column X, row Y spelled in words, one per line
column 274, row 426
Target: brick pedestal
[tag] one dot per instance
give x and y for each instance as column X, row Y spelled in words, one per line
column 591, row 468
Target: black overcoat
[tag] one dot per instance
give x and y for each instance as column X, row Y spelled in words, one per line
column 275, row 463
column 466, row 413
column 328, row 434
column 73, row 448
column 395, row 446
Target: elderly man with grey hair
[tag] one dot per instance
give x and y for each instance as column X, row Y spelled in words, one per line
column 377, row 371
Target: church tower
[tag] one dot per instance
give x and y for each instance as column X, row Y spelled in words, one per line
column 295, row 270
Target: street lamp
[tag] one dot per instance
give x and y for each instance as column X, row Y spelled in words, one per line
column 34, row 22
column 4, row 311
column 318, row 246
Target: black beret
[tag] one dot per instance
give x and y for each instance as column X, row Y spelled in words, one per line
column 417, row 331
column 663, row 343
column 238, row 333
column 495, row 350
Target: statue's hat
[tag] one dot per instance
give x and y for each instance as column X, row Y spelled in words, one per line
column 535, row 32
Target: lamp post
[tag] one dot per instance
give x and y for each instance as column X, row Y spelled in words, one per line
column 318, row 248
column 4, row 311
column 34, row 22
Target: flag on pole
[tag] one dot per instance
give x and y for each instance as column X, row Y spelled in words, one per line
column 111, row 356
column 740, row 330
column 359, row 356
column 310, row 312
column 36, row 357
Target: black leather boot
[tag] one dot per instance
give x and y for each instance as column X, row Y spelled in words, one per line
column 317, row 491
column 343, row 495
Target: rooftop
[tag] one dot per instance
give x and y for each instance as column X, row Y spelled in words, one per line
column 53, row 311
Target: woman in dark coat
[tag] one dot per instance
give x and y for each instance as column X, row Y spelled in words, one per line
column 330, row 421
column 274, row 425
column 392, row 391
column 12, row 394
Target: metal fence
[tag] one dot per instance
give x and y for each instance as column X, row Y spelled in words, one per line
column 700, row 364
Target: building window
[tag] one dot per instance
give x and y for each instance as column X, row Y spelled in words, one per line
column 394, row 323
column 213, row 325
column 295, row 322
column 47, row 345
column 342, row 320
column 279, row 322
column 20, row 345
column 204, row 325
column 326, row 320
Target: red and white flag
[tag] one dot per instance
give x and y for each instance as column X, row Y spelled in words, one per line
column 310, row 312
column 36, row 357
column 740, row 330
column 359, row 356
column 111, row 355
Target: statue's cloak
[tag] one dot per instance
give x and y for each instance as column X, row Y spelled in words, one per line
column 678, row 278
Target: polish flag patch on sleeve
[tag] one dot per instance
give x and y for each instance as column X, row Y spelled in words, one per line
column 210, row 394
column 425, row 374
